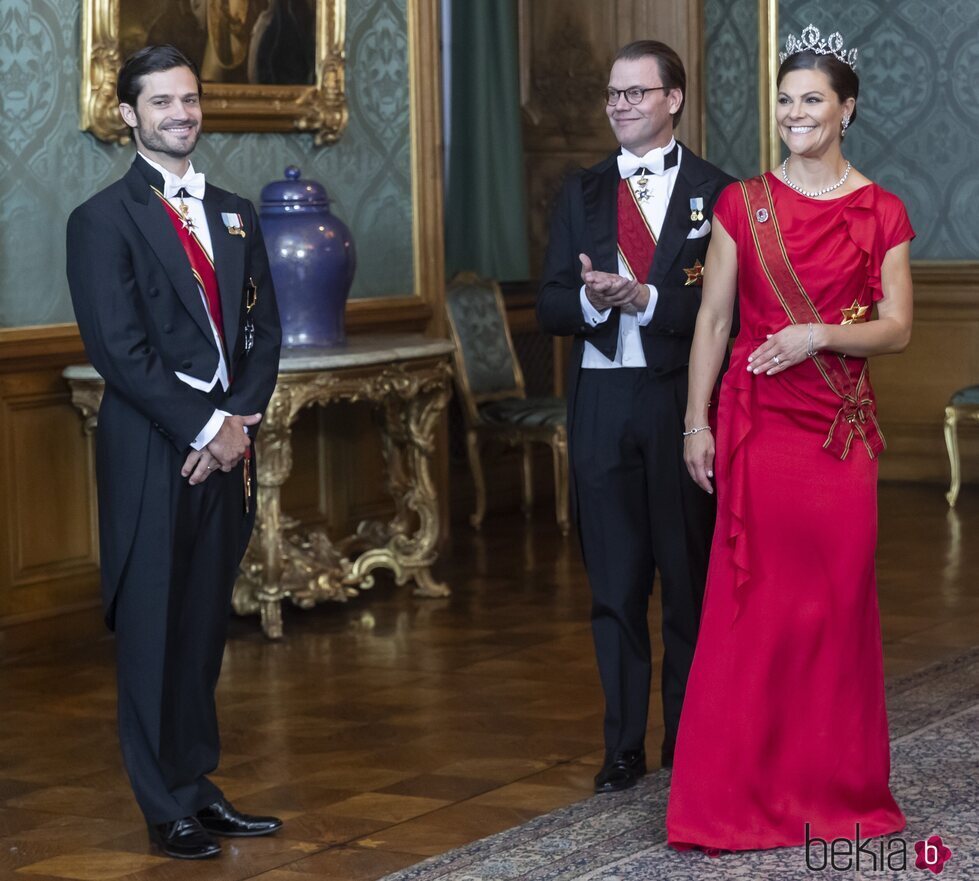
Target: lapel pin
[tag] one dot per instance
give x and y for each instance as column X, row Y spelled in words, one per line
column 762, row 215
column 697, row 209
column 234, row 224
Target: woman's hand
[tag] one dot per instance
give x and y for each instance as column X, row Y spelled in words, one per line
column 780, row 351
column 698, row 453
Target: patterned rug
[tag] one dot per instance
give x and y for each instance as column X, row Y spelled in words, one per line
column 934, row 723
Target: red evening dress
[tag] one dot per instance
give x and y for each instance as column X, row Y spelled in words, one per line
column 783, row 721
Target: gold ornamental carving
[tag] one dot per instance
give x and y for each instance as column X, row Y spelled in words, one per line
column 284, row 562
column 320, row 108
column 306, row 567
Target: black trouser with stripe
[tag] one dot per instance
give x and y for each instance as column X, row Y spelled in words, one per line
column 171, row 620
column 638, row 512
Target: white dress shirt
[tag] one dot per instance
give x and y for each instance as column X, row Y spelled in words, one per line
column 628, row 351
column 172, row 184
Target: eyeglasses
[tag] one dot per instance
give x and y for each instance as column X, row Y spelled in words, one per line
column 633, row 95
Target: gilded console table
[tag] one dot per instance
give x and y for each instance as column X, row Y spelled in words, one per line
column 407, row 379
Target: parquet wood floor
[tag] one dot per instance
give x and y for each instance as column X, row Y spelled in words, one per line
column 394, row 728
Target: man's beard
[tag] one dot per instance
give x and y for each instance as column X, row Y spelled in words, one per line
column 153, row 140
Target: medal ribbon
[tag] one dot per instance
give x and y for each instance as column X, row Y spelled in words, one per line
column 203, row 268
column 637, row 243
column 857, row 415
column 200, row 263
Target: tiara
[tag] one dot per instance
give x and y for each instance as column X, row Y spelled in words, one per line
column 810, row 42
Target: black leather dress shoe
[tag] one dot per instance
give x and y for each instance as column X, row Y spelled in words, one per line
column 666, row 753
column 221, row 818
column 621, row 771
column 184, row 839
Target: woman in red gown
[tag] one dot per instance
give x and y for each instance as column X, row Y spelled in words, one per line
column 783, row 724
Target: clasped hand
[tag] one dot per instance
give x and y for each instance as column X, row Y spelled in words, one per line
column 226, row 449
column 780, row 351
column 606, row 289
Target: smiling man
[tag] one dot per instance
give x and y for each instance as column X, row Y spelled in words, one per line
column 170, row 283
column 622, row 276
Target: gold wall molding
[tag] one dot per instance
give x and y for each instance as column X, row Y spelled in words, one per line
column 320, row 108
column 770, row 145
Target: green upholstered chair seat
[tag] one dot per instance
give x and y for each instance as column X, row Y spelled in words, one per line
column 968, row 395
column 526, row 412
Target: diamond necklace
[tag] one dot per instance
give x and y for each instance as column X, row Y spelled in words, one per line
column 813, row 195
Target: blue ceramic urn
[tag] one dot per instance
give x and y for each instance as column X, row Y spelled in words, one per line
column 312, row 258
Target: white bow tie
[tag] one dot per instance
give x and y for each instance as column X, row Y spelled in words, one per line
column 653, row 162
column 192, row 183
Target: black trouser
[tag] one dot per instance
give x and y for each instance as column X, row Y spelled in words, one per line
column 638, row 510
column 171, row 622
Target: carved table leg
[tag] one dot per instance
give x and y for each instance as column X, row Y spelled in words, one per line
column 261, row 588
column 408, row 432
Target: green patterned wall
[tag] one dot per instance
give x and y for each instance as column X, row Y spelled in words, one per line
column 731, row 66
column 919, row 103
column 47, row 166
column 919, row 108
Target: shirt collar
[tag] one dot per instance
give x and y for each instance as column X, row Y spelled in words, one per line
column 192, row 182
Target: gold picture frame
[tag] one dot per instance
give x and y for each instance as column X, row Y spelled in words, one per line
column 320, row 108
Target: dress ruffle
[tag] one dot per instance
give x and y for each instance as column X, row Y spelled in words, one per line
column 860, row 217
column 738, row 389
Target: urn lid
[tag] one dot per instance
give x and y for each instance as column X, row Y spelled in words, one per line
column 294, row 191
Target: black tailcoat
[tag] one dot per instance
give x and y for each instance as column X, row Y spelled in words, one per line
column 141, row 317
column 170, row 551
column 636, row 508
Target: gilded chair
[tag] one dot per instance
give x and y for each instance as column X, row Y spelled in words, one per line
column 491, row 391
column 962, row 406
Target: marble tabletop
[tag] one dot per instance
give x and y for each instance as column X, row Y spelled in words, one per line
column 357, row 351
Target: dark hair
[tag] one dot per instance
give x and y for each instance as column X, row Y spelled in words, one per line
column 150, row 59
column 671, row 70
column 842, row 78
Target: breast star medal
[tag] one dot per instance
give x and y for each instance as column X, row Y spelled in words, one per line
column 697, row 209
column 186, row 221
column 855, row 314
column 695, row 274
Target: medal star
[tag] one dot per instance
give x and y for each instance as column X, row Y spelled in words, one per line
column 854, row 314
column 186, row 221
column 695, row 274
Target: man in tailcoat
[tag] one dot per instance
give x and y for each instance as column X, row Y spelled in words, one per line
column 622, row 276
column 170, row 283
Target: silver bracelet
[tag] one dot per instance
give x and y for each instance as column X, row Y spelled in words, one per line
column 810, row 351
column 695, row 430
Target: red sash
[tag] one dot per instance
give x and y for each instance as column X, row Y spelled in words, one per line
column 200, row 263
column 858, row 411
column 637, row 243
